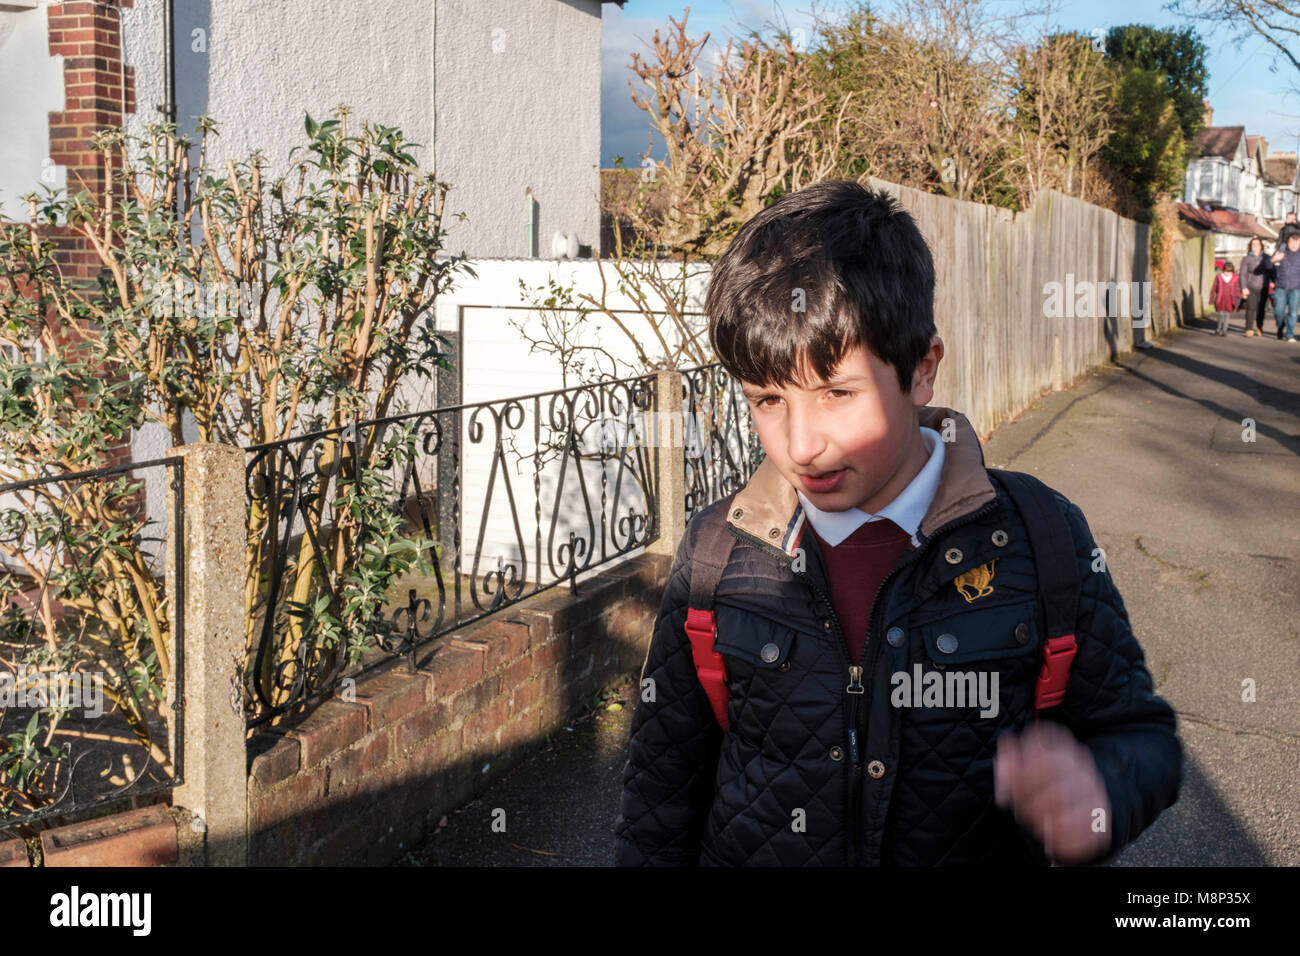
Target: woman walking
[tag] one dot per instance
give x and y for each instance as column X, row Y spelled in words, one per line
column 1254, row 271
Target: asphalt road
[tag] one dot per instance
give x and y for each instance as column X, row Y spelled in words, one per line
column 1201, row 533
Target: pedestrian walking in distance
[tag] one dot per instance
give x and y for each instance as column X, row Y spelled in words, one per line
column 1254, row 273
column 1225, row 294
column 1286, row 297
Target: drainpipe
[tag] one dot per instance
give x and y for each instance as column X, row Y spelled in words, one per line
column 531, row 248
column 168, row 108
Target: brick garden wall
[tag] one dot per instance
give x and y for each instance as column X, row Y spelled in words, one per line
column 144, row 837
column 360, row 782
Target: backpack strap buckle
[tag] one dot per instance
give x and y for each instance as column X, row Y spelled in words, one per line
column 709, row 665
column 1058, row 655
column 1059, row 584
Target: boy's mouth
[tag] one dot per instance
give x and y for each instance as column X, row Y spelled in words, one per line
column 823, row 481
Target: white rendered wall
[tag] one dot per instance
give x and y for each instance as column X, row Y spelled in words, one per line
column 518, row 106
column 496, row 363
column 509, row 90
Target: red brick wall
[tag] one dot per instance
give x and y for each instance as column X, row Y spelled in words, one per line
column 96, row 87
column 89, row 38
column 361, row 782
column 144, row 837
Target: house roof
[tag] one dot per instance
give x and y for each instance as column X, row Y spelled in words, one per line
column 1280, row 169
column 1198, row 217
column 1224, row 221
column 1218, row 141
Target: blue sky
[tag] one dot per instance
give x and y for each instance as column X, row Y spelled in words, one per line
column 1242, row 90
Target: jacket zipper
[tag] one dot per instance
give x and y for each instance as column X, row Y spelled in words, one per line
column 855, row 690
column 874, row 624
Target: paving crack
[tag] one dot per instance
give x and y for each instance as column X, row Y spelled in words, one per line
column 1202, row 576
column 1237, row 731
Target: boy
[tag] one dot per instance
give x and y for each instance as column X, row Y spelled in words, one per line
column 822, row 308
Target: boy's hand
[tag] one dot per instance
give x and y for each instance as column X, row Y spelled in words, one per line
column 1245, row 293
column 1277, row 257
column 1051, row 783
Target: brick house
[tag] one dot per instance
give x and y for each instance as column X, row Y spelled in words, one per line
column 1235, row 188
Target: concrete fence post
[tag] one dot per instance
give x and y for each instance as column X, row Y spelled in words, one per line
column 670, row 471
column 211, row 745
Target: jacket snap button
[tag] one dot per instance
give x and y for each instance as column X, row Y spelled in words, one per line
column 770, row 652
column 738, row 513
column 895, row 636
column 946, row 643
column 1000, row 538
column 1022, row 633
column 952, row 555
column 774, row 533
column 837, row 753
column 876, row 769
column 785, row 666
column 826, row 624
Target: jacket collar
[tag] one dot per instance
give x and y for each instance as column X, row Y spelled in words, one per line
column 768, row 507
column 906, row 510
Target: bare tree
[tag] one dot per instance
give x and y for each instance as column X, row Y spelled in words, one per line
column 752, row 129
column 934, row 108
column 733, row 140
column 1062, row 116
column 1277, row 21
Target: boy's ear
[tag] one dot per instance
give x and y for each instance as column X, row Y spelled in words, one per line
column 926, row 371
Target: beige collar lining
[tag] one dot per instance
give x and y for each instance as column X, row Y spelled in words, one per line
column 765, row 506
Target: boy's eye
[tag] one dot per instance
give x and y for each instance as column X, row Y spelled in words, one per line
column 836, row 392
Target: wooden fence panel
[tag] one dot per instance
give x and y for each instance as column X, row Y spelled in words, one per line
column 1003, row 345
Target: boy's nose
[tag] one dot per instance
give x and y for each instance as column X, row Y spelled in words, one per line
column 805, row 438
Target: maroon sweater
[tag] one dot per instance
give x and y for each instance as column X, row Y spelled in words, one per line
column 856, row 567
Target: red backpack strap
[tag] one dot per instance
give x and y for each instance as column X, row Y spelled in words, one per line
column 709, row 666
column 1058, row 580
column 708, row 560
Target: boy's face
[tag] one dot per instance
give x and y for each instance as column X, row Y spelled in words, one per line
column 859, row 423
column 1293, row 242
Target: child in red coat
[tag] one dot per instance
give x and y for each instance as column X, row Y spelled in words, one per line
column 1225, row 294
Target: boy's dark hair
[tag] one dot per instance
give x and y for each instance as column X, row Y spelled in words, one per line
column 866, row 277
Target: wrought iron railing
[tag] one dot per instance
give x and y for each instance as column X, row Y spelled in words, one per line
column 721, row 461
column 91, row 669
column 434, row 472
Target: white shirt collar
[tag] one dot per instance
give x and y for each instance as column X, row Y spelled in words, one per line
column 906, row 510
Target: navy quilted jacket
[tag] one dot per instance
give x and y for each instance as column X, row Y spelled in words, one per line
column 780, row 787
